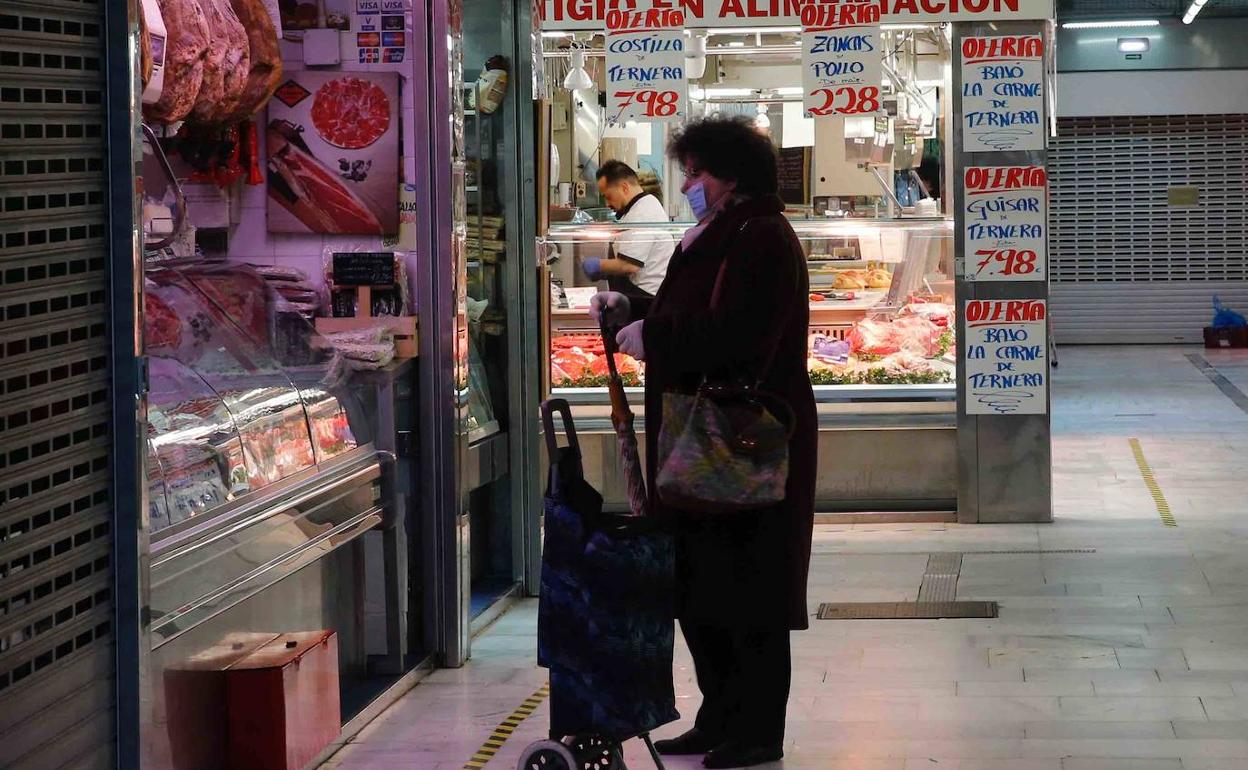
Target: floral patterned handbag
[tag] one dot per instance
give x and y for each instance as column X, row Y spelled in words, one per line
column 724, row 448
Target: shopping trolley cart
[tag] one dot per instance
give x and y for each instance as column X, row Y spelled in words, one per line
column 605, row 621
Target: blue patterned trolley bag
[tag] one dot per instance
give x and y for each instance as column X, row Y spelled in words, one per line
column 605, row 625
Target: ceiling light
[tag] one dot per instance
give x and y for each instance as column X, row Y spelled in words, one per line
column 577, row 78
column 1111, row 23
column 762, row 120
column 1192, row 10
column 1132, row 44
column 753, row 30
column 905, row 26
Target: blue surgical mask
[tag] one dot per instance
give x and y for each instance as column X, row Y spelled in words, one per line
column 696, row 195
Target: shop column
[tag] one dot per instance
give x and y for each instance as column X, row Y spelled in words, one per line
column 1002, row 97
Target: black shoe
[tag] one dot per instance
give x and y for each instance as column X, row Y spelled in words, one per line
column 693, row 742
column 733, row 754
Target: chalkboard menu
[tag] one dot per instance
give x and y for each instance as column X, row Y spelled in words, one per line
column 793, row 171
column 364, row 268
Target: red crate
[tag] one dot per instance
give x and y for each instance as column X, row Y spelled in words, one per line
column 1226, row 337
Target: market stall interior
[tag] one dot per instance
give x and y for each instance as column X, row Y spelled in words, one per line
column 279, row 341
column 864, row 194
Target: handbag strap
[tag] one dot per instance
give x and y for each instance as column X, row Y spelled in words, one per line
column 773, row 348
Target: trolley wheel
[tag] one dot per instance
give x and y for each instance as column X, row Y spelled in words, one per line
column 547, row 755
column 595, row 753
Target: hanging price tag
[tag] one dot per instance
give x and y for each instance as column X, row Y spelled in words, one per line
column 646, row 66
column 841, row 58
column 1002, row 93
column 1005, row 215
column 1006, row 353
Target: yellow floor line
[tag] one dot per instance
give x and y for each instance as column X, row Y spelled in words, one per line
column 1163, row 508
column 505, row 728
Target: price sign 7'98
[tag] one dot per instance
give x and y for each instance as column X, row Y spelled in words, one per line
column 846, row 100
column 1012, row 262
column 657, row 104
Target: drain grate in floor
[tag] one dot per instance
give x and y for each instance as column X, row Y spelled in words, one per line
column 937, row 594
column 906, row 610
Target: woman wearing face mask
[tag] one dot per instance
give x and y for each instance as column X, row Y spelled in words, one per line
column 741, row 577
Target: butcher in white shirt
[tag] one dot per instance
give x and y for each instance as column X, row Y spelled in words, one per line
column 638, row 259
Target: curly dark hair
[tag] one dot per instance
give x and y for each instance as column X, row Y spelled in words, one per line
column 730, row 148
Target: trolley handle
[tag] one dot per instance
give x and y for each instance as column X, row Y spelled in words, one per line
column 548, row 409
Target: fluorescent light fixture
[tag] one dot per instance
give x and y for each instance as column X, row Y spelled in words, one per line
column 1132, row 44
column 905, row 26
column 1192, row 10
column 555, row 35
column 752, row 30
column 1111, row 23
column 790, row 91
column 577, row 78
column 727, row 92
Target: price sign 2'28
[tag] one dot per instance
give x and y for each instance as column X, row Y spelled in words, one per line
column 845, row 100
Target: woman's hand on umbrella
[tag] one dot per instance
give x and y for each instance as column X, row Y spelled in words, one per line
column 609, row 308
column 630, row 342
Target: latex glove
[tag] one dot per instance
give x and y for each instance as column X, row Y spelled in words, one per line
column 629, row 340
column 609, row 308
column 593, row 268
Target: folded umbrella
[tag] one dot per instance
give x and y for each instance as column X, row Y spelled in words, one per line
column 622, row 419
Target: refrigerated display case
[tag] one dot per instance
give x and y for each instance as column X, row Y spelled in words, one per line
column 276, row 488
column 881, row 356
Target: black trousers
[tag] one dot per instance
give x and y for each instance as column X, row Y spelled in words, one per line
column 744, row 678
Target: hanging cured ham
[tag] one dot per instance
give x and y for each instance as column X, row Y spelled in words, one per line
column 266, row 56
column 228, row 64
column 185, row 56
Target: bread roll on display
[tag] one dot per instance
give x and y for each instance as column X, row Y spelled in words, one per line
column 850, row 279
column 185, row 55
column 879, row 279
column 266, row 56
column 227, row 66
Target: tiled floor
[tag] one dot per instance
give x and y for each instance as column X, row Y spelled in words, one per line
column 1134, row 657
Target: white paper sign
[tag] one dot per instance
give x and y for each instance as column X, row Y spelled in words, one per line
column 1007, row 356
column 1003, row 93
column 646, row 66
column 841, row 58
column 1005, row 221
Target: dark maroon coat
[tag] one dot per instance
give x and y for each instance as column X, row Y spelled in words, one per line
column 745, row 569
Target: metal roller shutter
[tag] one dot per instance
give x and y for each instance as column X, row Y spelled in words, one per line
column 56, row 636
column 1127, row 267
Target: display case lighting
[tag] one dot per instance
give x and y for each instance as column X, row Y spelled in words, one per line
column 1132, row 44
column 1111, row 24
column 1193, row 10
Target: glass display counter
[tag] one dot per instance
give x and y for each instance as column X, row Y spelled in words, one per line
column 881, row 355
column 277, row 486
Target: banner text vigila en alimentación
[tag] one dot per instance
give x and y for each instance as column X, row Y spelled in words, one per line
column 700, row 14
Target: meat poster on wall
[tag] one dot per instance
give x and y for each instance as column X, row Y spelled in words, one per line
column 333, row 149
column 1005, row 223
column 1007, row 362
column 1003, row 93
column 646, row 66
column 841, row 58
